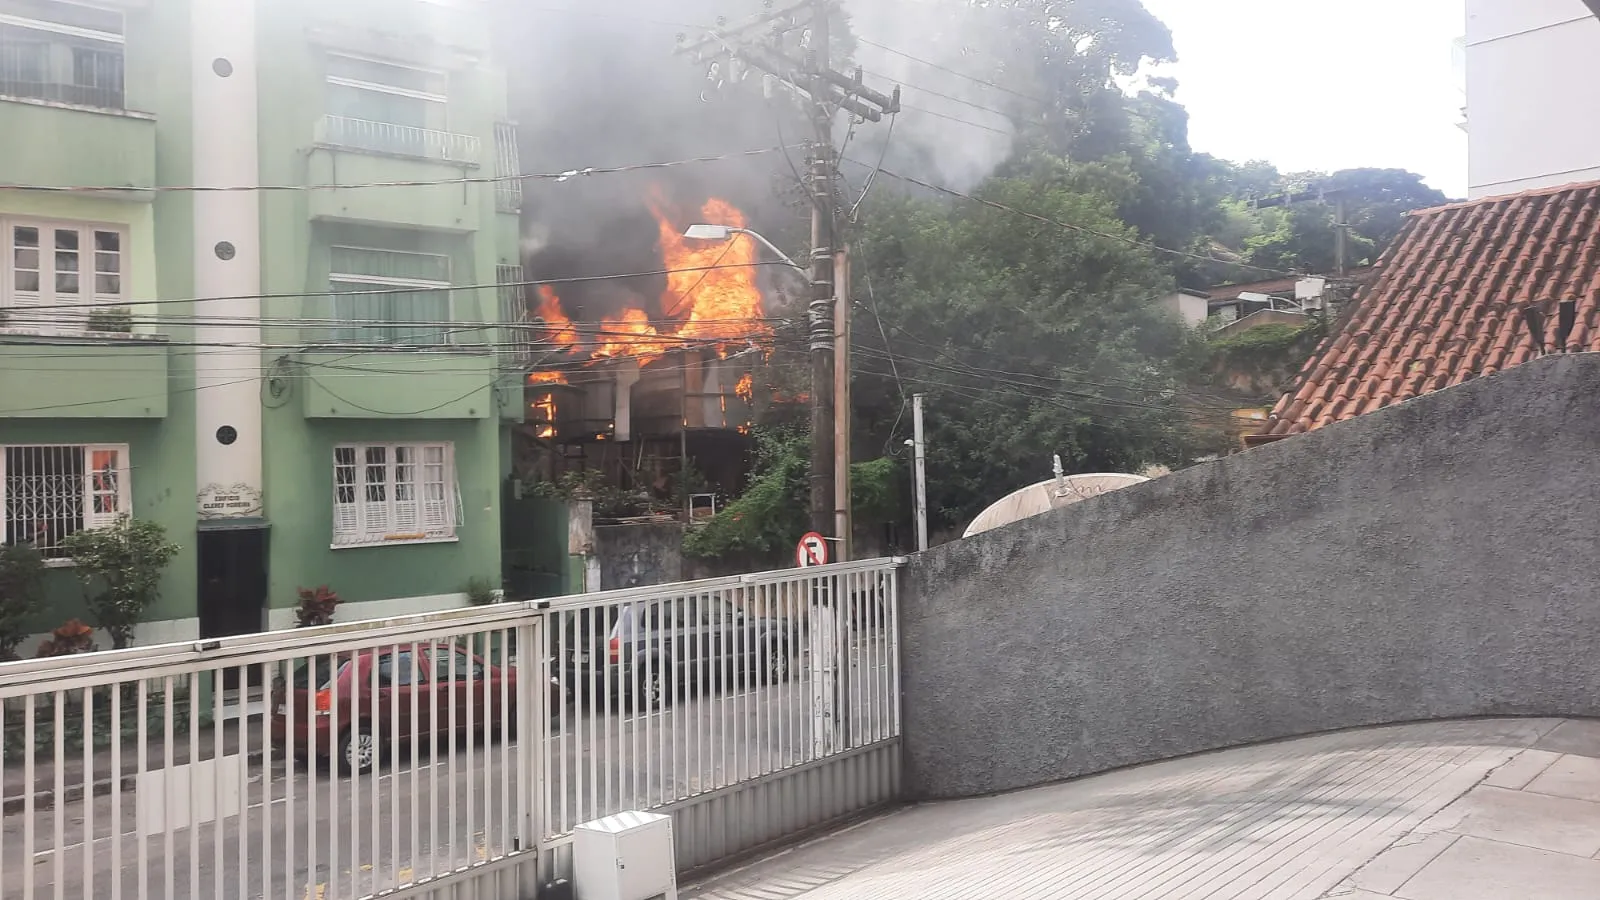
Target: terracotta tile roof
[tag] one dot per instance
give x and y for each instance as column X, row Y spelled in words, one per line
column 1446, row 301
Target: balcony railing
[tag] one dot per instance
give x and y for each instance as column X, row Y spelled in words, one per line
column 400, row 140
column 85, row 73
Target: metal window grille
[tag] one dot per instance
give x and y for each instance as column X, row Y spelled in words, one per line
column 508, row 164
column 63, row 53
column 516, row 348
column 385, row 493
column 371, row 310
column 49, row 492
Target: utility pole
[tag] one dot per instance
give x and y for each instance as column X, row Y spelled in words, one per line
column 920, row 487
column 1341, row 227
column 826, row 92
column 841, row 403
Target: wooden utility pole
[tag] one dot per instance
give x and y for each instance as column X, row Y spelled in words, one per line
column 826, row 92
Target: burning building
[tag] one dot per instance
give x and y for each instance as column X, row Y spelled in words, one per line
column 646, row 378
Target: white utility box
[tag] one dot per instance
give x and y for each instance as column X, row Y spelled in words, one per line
column 627, row 856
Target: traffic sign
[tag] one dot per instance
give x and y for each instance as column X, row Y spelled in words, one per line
column 812, row 551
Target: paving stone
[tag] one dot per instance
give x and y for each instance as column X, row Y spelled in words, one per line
column 1579, row 736
column 1558, row 824
column 1570, row 776
column 1477, row 869
column 1521, row 769
column 1397, row 865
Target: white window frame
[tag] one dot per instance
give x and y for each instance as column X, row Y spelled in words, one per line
column 372, row 514
column 56, row 314
column 389, row 283
column 380, row 87
column 122, row 490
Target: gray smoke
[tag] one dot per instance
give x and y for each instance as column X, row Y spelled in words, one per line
column 596, row 84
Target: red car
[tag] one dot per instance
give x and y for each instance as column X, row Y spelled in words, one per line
column 414, row 699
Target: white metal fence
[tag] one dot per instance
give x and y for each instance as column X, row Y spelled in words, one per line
column 451, row 752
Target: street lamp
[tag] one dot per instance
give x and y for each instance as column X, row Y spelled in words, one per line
column 726, row 233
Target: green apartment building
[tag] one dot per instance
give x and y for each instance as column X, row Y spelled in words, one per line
column 305, row 384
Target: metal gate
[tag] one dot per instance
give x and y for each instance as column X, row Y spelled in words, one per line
column 451, row 753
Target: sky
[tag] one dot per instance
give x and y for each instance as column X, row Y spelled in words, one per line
column 1323, row 84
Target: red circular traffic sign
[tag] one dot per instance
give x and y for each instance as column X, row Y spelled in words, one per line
column 812, row 550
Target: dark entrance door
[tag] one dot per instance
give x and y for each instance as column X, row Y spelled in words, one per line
column 233, row 584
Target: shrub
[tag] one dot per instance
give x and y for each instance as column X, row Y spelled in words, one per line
column 21, row 593
column 125, row 561
column 482, row 592
column 71, row 638
column 316, row 607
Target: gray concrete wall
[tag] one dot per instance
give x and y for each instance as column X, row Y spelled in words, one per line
column 639, row 555
column 1436, row 559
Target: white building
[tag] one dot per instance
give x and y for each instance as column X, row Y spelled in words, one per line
column 1533, row 94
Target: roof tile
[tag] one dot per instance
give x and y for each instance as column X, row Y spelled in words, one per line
column 1445, row 303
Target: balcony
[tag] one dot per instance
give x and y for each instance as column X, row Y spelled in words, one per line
column 399, row 384
column 349, row 151
column 96, row 147
column 83, row 377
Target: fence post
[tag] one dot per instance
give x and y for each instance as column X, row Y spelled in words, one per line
column 533, row 682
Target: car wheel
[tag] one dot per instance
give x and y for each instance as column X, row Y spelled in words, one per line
column 655, row 688
column 776, row 666
column 359, row 754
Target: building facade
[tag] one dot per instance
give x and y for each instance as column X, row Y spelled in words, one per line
column 301, row 374
column 1533, row 85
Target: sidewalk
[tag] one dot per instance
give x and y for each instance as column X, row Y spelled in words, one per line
column 1475, row 810
column 14, row 787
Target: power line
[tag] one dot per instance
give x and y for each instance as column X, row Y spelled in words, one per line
column 558, row 177
column 496, row 286
column 934, row 65
column 957, row 119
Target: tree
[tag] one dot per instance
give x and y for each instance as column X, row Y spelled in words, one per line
column 121, row 567
column 22, row 571
column 1030, row 338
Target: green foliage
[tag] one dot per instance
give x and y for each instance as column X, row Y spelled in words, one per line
column 22, row 571
column 111, row 320
column 772, row 512
column 316, row 606
column 121, row 567
column 610, row 501
column 482, row 592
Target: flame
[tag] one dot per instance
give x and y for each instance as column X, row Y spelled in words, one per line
column 544, row 408
column 631, row 334
column 559, row 329
column 746, row 388
column 711, row 287
column 712, row 297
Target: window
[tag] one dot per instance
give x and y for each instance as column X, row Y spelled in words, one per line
column 371, row 305
column 389, row 493
column 50, row 491
column 388, row 107
column 396, row 669
column 54, row 273
column 508, row 165
column 453, row 664
column 61, row 52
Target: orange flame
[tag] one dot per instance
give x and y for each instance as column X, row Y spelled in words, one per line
column 712, row 296
column 746, row 388
column 559, row 329
column 711, row 286
column 631, row 334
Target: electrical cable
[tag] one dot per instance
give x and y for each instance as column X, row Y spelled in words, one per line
column 557, row 177
column 866, row 186
column 934, row 65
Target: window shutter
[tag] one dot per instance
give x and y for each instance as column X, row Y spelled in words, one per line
column 436, row 506
column 407, row 506
column 106, row 488
column 375, row 478
column 346, row 496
